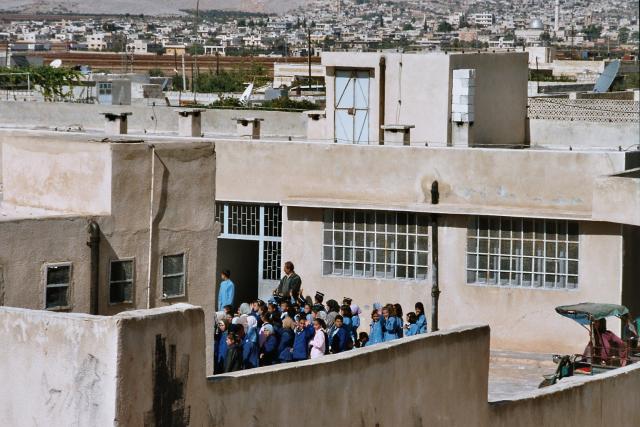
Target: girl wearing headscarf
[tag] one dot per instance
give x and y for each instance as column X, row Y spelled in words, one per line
column 375, row 331
column 244, row 308
column 319, row 341
column 333, row 309
column 220, row 346
column 250, row 348
column 269, row 349
column 422, row 319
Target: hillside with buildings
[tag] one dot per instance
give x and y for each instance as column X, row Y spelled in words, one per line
column 147, row 7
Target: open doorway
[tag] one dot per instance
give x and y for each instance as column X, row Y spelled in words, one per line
column 241, row 257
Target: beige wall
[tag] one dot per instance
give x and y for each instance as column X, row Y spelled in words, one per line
column 147, row 368
column 418, row 92
column 45, row 174
column 516, row 182
column 617, row 198
column 183, row 212
column 521, row 319
column 56, row 369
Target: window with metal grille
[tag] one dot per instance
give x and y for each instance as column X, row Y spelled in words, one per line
column 523, row 252
column 273, row 221
column 173, row 275
column 121, row 281
column 57, row 281
column 243, row 219
column 271, row 260
column 375, row 244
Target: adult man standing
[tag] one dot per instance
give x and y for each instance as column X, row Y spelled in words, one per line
column 227, row 290
column 289, row 287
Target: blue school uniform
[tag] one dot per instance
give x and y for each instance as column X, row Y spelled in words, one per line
column 269, row 349
column 355, row 324
column 339, row 340
column 221, row 351
column 226, row 294
column 413, row 329
column 375, row 333
column 286, row 342
column 399, row 329
column 390, row 328
column 301, row 345
column 250, row 351
column 422, row 324
column 348, row 326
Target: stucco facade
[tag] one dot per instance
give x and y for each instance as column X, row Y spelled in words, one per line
column 73, row 181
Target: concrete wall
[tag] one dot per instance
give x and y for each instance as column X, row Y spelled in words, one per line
column 580, row 134
column 517, row 182
column 521, row 319
column 145, row 119
column 57, row 369
column 413, row 382
column 183, row 221
column 147, row 368
column 602, row 400
column 618, row 198
column 500, row 96
column 418, row 92
column 45, row 174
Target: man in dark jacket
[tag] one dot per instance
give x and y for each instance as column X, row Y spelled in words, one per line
column 290, row 284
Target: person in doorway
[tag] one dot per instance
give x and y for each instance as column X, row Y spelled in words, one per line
column 290, row 284
column 227, row 290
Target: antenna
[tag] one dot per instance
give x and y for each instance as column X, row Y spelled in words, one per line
column 246, row 95
column 56, row 63
column 606, row 78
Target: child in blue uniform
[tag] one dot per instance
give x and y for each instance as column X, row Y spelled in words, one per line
column 390, row 324
column 339, row 336
column 421, row 318
column 375, row 330
column 250, row 350
column 411, row 328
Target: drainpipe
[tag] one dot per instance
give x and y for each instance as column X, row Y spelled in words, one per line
column 150, row 301
column 94, row 243
column 383, row 76
column 435, row 290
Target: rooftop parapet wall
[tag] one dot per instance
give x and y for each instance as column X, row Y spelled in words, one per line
column 519, row 182
column 147, row 368
column 587, row 110
column 144, row 119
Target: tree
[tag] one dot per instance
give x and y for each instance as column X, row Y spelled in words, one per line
column 623, row 35
column 407, row 27
column 545, row 38
column 444, row 27
column 51, row 82
column 195, row 49
column 592, row 32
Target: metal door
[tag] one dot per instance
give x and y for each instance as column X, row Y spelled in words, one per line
column 104, row 93
column 352, row 107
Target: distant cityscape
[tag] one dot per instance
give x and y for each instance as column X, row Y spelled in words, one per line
column 577, row 28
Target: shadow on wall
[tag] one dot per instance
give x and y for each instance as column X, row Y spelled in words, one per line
column 148, row 368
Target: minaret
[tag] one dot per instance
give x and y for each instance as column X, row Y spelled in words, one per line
column 556, row 24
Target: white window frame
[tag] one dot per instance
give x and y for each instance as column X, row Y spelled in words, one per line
column 506, row 257
column 133, row 279
column 370, row 252
column 47, row 266
column 184, row 274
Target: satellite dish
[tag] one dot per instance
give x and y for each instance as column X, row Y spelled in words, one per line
column 56, row 63
column 606, row 78
column 246, row 95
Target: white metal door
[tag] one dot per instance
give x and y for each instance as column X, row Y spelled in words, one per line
column 352, row 107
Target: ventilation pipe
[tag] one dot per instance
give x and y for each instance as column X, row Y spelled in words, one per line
column 435, row 289
column 94, row 243
column 383, row 77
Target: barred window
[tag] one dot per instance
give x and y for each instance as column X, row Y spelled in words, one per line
column 375, row 244
column 522, row 252
column 173, row 275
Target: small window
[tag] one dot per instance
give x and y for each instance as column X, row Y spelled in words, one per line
column 57, row 285
column 173, row 275
column 121, row 281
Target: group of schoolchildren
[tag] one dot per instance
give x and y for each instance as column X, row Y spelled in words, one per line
column 292, row 329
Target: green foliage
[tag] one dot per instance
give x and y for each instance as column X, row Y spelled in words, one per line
column 156, row 72
column 285, row 103
column 50, row 82
column 592, row 32
column 444, row 27
column 623, row 35
column 226, row 102
column 195, row 49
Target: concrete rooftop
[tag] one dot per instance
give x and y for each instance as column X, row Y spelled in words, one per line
column 512, row 373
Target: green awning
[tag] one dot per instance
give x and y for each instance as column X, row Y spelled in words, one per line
column 586, row 312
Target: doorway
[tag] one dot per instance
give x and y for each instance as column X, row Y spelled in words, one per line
column 241, row 257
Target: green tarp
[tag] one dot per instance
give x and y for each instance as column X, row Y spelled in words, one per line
column 586, row 312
